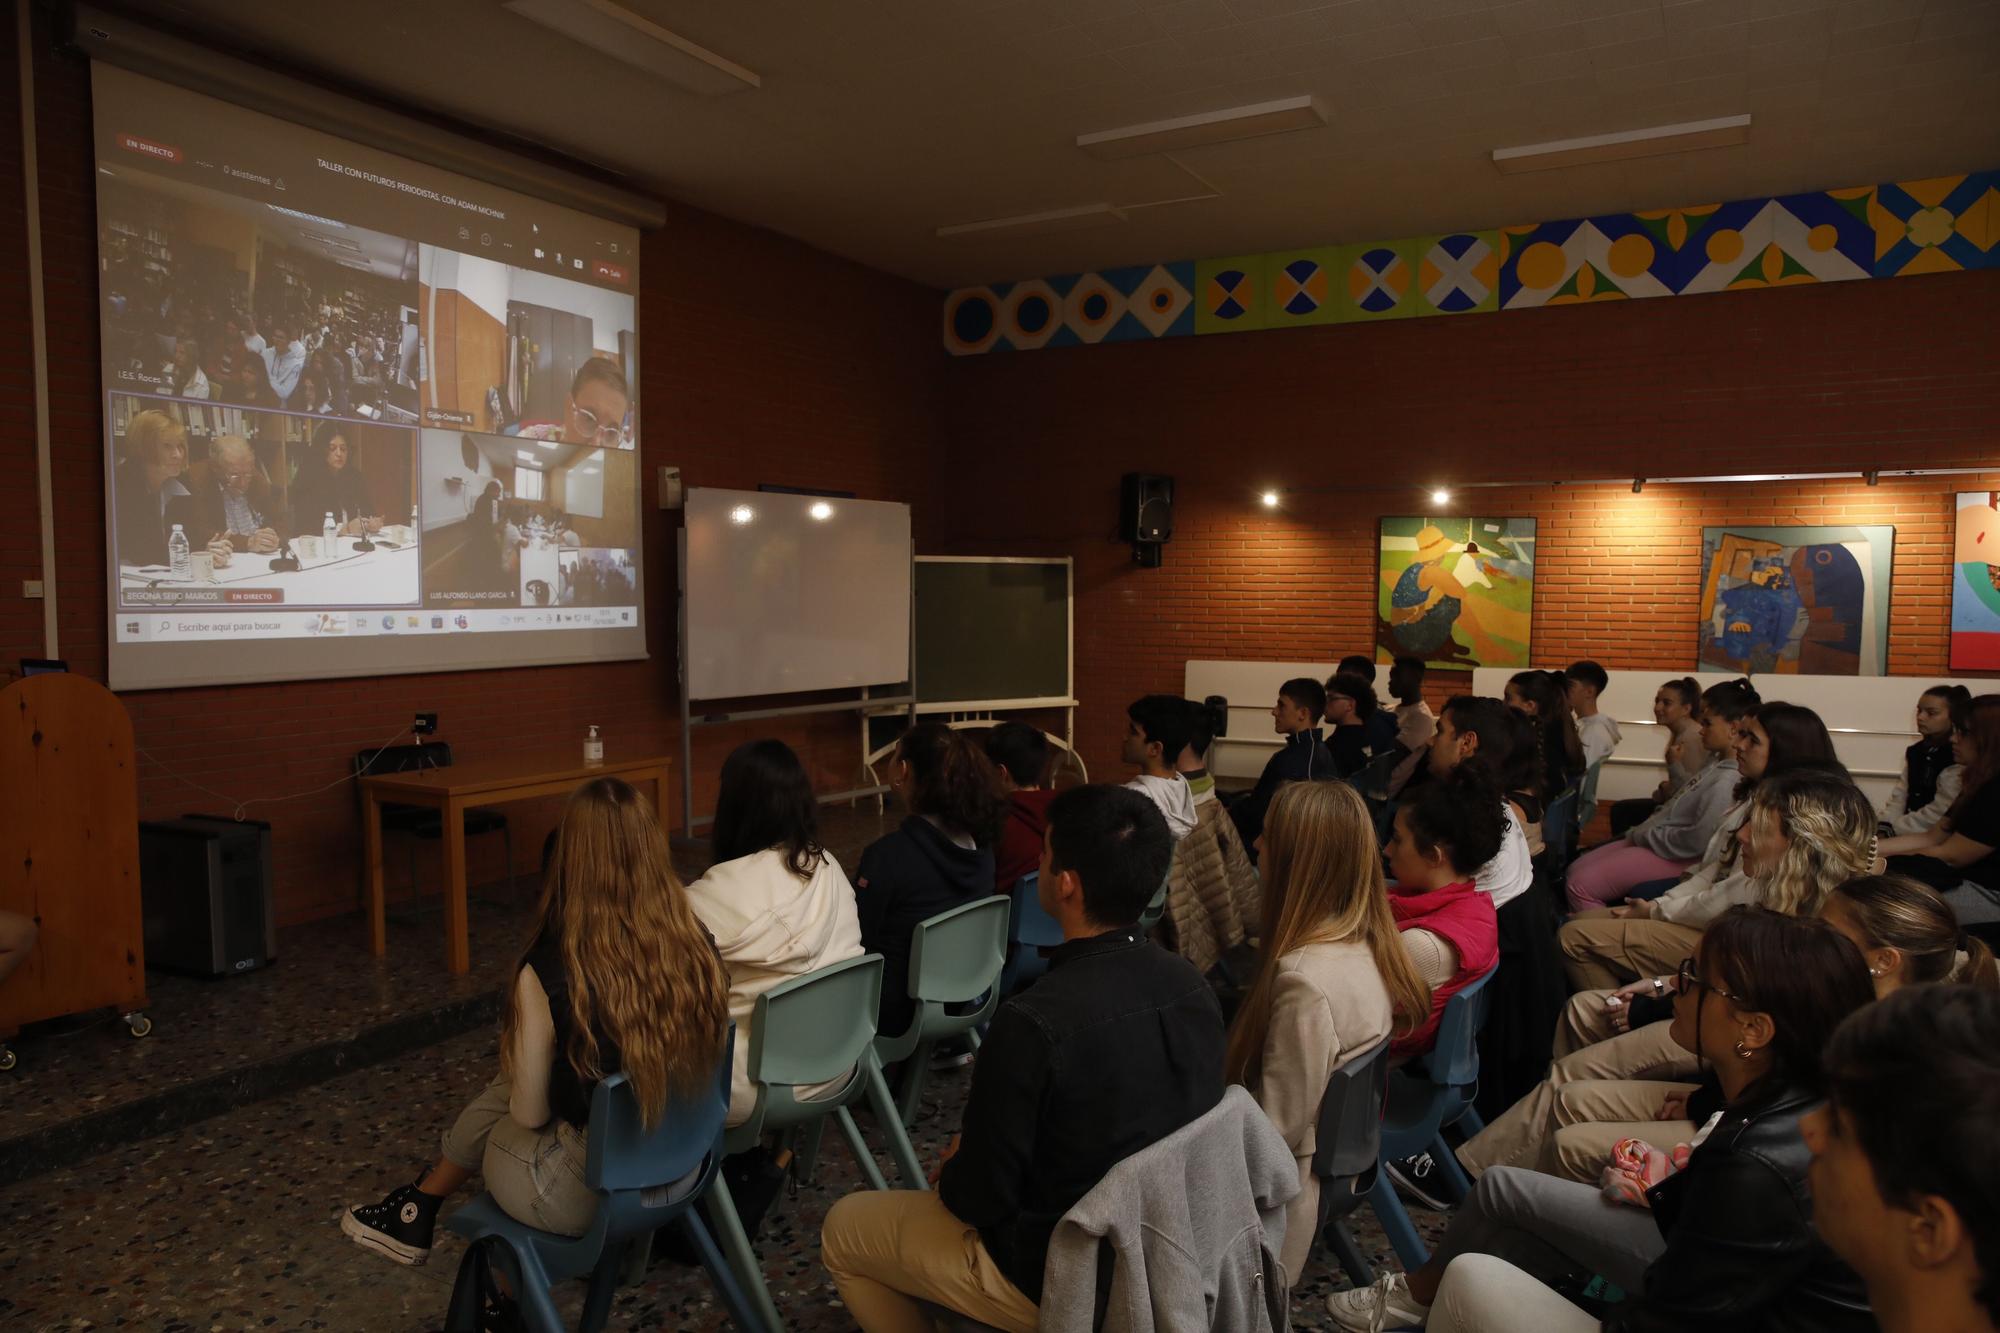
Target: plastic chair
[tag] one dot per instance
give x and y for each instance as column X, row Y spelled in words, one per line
column 1424, row 1098
column 1347, row 1153
column 955, row 958
column 420, row 821
column 1157, row 908
column 648, row 1178
column 1029, row 931
column 813, row 1029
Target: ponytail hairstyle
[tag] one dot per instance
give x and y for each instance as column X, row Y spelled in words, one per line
column 1909, row 916
column 1955, row 696
column 1733, row 699
column 1688, row 690
column 1554, row 721
column 1982, row 723
column 1323, row 882
column 1462, row 814
column 1830, row 831
column 952, row 781
column 640, row 968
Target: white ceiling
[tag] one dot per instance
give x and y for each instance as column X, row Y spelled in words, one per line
column 881, row 120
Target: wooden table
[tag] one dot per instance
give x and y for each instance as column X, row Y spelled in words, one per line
column 451, row 792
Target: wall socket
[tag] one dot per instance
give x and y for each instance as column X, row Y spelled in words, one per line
column 425, row 725
column 31, row 587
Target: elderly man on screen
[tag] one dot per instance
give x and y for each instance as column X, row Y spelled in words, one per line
column 234, row 505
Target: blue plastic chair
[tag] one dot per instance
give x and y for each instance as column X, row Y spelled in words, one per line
column 1157, row 907
column 814, row 1029
column 1347, row 1149
column 955, row 958
column 1029, row 931
column 648, row 1178
column 1424, row 1098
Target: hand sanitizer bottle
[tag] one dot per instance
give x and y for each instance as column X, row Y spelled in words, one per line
column 593, row 747
column 178, row 560
column 329, row 535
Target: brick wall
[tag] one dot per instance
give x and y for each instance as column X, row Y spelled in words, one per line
column 781, row 364
column 1366, row 419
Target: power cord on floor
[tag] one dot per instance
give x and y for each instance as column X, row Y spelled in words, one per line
column 239, row 807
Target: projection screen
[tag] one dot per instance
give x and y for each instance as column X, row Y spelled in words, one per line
column 362, row 415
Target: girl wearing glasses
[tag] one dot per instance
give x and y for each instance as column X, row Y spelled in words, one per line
column 1809, row 830
column 1727, row 1241
column 594, row 413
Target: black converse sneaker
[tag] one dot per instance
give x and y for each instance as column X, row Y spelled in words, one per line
column 401, row 1226
column 1419, row 1178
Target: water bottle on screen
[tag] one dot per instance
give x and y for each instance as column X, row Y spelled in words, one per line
column 178, row 559
column 593, row 747
column 329, row 534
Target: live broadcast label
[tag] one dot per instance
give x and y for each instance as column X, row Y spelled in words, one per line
column 203, row 596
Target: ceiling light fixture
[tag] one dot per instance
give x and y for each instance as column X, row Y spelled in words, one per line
column 1032, row 224
column 1655, row 142
column 1440, row 496
column 1270, row 499
column 609, row 27
column 1207, row 127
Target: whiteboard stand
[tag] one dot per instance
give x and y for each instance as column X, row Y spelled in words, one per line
column 863, row 705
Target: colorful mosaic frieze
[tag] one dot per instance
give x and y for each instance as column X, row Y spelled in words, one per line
column 1941, row 225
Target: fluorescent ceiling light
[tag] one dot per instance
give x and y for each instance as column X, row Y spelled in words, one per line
column 1209, row 127
column 607, row 26
column 1658, row 141
column 1029, row 224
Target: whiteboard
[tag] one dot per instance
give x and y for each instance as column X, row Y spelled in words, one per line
column 1872, row 720
column 782, row 594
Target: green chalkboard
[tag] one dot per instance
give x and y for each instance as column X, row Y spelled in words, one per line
column 992, row 629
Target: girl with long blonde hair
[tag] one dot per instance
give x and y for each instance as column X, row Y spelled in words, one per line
column 1333, row 981
column 619, row 976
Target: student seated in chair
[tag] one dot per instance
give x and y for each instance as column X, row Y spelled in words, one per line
column 1020, row 757
column 1351, row 715
column 777, row 903
column 1303, row 758
column 1156, row 733
column 619, row 976
column 1380, row 725
column 939, row 858
column 1118, row 1046
column 1214, row 901
column 1415, row 722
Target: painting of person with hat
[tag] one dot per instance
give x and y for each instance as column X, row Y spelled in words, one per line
column 1447, row 606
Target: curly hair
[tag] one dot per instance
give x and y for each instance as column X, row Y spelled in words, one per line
column 1829, row 828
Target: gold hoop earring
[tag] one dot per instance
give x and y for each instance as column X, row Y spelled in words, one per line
column 1743, row 1052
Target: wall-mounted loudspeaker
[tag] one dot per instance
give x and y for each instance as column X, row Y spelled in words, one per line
column 1146, row 515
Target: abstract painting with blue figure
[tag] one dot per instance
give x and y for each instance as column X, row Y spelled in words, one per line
column 1796, row 600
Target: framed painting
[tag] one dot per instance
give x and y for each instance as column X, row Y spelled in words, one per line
column 1975, row 583
column 1456, row 592
column 1796, row 600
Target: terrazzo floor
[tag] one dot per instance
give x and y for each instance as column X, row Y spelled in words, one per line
column 234, row 1223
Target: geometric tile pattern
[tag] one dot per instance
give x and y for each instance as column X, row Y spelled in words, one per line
column 1946, row 224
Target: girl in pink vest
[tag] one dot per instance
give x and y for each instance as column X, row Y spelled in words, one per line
column 1448, row 926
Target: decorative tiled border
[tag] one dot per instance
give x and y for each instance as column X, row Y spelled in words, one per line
column 1941, row 225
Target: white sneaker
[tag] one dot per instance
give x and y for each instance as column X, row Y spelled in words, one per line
column 1385, row 1305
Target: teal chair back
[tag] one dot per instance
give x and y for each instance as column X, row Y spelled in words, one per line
column 955, row 958
column 810, row 1030
column 1157, row 908
column 1586, row 803
column 1029, row 931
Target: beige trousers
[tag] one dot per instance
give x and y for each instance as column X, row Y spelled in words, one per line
column 536, row 1175
column 1602, row 952
column 1593, row 1097
column 889, row 1250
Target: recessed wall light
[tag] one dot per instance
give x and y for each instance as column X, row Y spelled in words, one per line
column 1270, row 499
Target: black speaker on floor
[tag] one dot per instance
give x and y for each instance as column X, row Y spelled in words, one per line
column 206, row 885
column 1146, row 515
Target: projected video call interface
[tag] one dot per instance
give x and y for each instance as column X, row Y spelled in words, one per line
column 342, row 400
